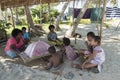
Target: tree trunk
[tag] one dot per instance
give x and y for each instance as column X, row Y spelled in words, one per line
column 16, row 11
column 49, row 9
column 29, row 17
column 97, row 22
column 71, row 32
column 59, row 17
column 35, row 31
column 103, row 14
column 12, row 17
column 73, row 11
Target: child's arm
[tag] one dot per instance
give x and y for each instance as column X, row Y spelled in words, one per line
column 50, row 64
column 86, row 44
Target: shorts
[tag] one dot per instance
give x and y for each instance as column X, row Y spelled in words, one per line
column 99, row 64
column 94, row 62
column 11, row 54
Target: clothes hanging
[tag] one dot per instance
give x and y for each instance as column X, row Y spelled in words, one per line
column 112, row 12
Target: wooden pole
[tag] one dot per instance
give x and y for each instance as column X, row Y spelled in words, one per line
column 73, row 10
column 12, row 18
column 97, row 23
column 103, row 14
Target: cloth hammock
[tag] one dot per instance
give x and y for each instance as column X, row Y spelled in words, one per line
column 34, row 51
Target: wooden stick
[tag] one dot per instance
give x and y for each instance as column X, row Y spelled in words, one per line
column 103, row 14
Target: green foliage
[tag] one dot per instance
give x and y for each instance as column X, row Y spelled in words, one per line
column 106, row 25
column 71, row 24
column 85, row 21
column 21, row 11
column 2, row 24
column 23, row 20
column 113, row 2
column 54, row 13
column 35, row 12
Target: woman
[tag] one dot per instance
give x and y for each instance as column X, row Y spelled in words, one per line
column 15, row 44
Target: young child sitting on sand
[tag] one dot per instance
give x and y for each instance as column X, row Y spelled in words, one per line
column 70, row 53
column 96, row 58
column 55, row 60
column 52, row 37
column 25, row 35
column 89, row 50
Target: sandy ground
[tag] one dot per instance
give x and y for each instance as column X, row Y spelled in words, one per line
column 16, row 70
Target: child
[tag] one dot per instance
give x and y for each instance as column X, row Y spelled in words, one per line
column 89, row 50
column 95, row 59
column 25, row 35
column 52, row 37
column 55, row 60
column 70, row 53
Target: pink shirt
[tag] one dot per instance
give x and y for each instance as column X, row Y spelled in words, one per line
column 70, row 53
column 12, row 41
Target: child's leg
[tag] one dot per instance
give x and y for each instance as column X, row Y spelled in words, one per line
column 58, row 42
column 51, row 43
column 89, row 65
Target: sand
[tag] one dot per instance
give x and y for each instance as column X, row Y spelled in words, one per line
column 11, row 70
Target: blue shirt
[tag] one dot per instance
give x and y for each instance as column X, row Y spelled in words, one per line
column 25, row 35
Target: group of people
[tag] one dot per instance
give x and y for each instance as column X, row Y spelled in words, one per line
column 16, row 43
column 94, row 54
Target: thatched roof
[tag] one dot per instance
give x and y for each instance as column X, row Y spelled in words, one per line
column 15, row 3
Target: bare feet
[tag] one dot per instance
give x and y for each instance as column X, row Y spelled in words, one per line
column 76, row 66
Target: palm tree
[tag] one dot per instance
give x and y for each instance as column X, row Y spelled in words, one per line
column 59, row 17
column 71, row 32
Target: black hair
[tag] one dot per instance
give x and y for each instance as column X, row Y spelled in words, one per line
column 52, row 50
column 51, row 26
column 15, row 32
column 66, row 41
column 23, row 28
column 91, row 34
column 97, row 39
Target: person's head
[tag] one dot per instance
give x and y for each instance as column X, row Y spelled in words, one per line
column 66, row 41
column 96, row 41
column 52, row 50
column 23, row 29
column 16, row 33
column 90, row 35
column 51, row 27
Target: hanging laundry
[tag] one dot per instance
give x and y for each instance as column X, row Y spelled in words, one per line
column 95, row 16
column 112, row 12
column 86, row 15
